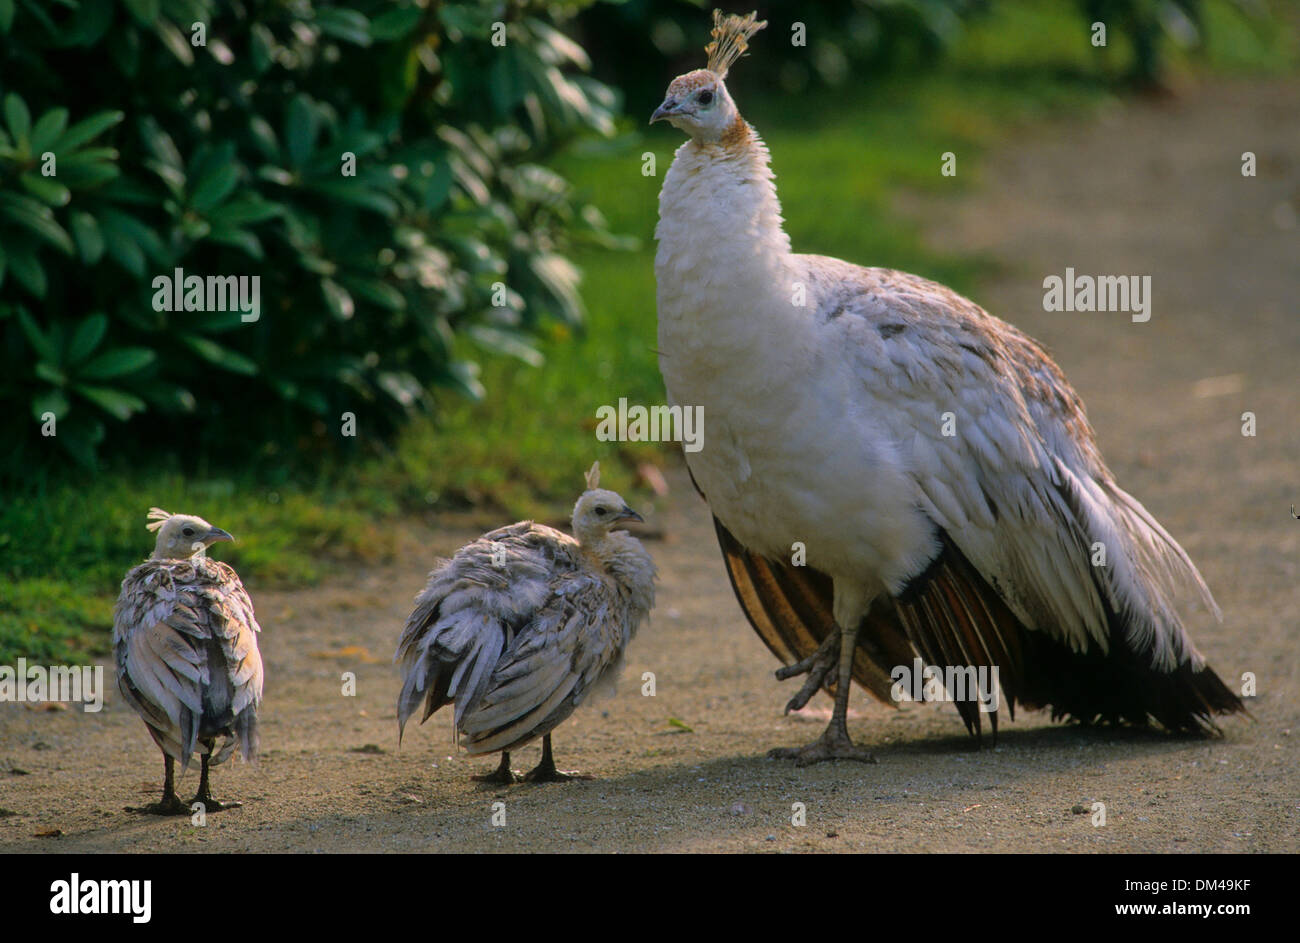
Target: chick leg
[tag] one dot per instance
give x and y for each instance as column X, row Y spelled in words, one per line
column 169, row 804
column 204, row 794
column 834, row 743
column 503, row 775
column 545, row 771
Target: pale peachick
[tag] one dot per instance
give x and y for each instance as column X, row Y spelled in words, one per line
column 185, row 642
column 523, row 625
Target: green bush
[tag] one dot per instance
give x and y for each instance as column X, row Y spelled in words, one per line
column 142, row 136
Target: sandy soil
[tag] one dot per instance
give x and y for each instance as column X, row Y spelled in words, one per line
column 1154, row 188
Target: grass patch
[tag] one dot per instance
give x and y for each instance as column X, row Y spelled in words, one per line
column 47, row 621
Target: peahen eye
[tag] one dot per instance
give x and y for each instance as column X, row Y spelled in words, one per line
column 705, row 97
column 600, row 512
column 188, row 532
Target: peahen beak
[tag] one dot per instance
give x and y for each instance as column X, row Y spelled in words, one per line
column 669, row 107
column 216, row 535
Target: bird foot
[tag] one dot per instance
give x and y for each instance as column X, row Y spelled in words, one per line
column 168, row 805
column 549, row 774
column 503, row 775
column 816, row 666
column 829, row 746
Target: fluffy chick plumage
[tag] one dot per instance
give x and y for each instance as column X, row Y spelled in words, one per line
column 185, row 646
column 523, row 624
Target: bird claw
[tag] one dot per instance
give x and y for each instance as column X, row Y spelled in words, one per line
column 501, row 776
column 544, row 774
column 816, row 666
column 829, row 746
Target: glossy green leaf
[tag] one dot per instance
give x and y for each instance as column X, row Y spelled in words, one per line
column 349, row 25
column 90, row 241
column 394, row 24
column 49, row 401
column 18, row 118
column 301, row 128
column 87, row 337
column 115, row 363
column 214, row 187
column 46, row 189
column 215, row 354
column 27, row 270
column 48, row 129
column 87, row 130
column 117, row 403
column 36, row 337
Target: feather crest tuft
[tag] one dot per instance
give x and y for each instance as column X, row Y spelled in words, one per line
column 159, row 517
column 731, row 34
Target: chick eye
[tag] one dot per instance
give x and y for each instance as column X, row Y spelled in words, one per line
column 704, row 97
column 600, row 512
column 188, row 532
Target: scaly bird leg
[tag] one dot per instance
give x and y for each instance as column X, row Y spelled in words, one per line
column 545, row 771
column 170, row 804
column 816, row 666
column 204, row 794
column 503, row 775
column 834, row 743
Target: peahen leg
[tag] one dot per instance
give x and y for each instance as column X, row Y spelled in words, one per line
column 834, row 743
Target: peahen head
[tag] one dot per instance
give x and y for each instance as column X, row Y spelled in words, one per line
column 698, row 102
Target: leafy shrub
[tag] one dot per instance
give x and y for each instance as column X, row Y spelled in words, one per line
column 143, row 136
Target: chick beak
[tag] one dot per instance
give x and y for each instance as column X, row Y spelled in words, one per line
column 216, row 535
column 627, row 514
column 669, row 107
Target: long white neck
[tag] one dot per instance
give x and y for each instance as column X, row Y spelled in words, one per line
column 720, row 223
column 724, row 268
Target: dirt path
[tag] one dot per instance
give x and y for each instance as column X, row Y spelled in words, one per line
column 1152, row 189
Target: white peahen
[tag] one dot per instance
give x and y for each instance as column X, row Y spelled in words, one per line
column 824, row 388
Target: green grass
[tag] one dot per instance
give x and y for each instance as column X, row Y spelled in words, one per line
column 839, row 158
column 65, row 551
